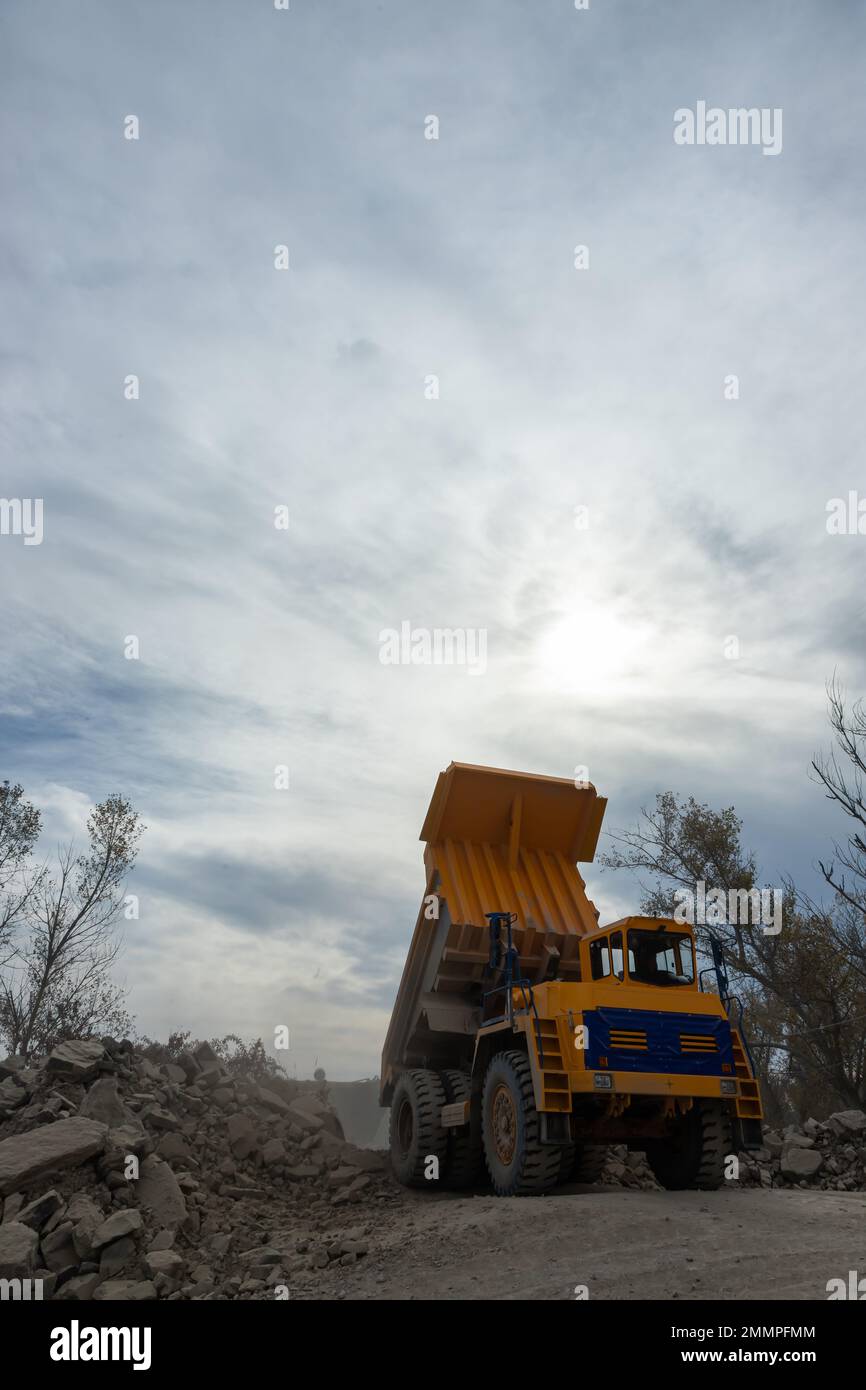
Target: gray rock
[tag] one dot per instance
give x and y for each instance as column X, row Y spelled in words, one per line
column 188, row 1065
column 211, row 1076
column 19, row 1246
column 163, row 1240
column 12, row 1094
column 261, row 1255
column 310, row 1124
column 166, row 1262
column 371, row 1162
column 77, row 1058
column 125, row 1291
column 274, row 1151
column 798, row 1162
column 58, row 1248
column 51, row 1147
column 38, row 1212
column 81, row 1287
column 339, row 1176
column 271, row 1100
column 122, row 1223
column 116, row 1258
column 158, row 1118
column 104, row 1104
column 242, row 1135
column 158, row 1190
column 174, row 1148
column 847, row 1122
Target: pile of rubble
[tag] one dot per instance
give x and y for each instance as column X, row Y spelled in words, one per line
column 123, row 1179
column 830, row 1155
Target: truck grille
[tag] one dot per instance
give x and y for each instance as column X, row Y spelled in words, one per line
column 628, row 1039
column 698, row 1042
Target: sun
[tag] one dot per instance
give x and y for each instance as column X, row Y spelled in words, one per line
column 591, row 650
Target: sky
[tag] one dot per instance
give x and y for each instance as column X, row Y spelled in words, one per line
column 613, row 463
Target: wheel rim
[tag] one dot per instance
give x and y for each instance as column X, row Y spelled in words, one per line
column 504, row 1124
column 405, row 1127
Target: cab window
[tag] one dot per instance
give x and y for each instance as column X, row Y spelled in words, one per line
column 599, row 959
column 605, row 957
column 660, row 958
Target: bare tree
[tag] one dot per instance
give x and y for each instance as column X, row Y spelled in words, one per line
column 19, row 831
column 844, row 785
column 56, row 980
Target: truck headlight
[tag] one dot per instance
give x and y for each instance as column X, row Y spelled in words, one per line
column 601, row 1081
column 729, row 1088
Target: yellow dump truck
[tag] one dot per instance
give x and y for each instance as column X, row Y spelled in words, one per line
column 526, row 1038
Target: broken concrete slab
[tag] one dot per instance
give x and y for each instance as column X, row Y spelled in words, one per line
column 48, row 1149
column 79, row 1058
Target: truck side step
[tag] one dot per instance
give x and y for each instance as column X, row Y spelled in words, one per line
column 748, row 1093
column 556, row 1092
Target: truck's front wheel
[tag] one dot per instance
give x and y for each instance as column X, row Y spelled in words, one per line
column 518, row 1163
column 417, row 1136
column 694, row 1155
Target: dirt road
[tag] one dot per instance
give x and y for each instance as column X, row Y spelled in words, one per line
column 620, row 1244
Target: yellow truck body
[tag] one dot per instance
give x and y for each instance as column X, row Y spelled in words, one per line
column 524, row 1036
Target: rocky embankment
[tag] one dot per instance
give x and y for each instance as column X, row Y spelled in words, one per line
column 123, row 1179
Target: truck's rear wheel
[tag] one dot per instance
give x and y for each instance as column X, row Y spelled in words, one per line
column 465, row 1161
column 416, row 1129
column 694, row 1155
column 518, row 1163
column 581, row 1162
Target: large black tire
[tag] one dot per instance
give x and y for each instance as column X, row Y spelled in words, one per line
column 416, row 1128
column 518, row 1163
column 464, row 1165
column 588, row 1162
column 581, row 1162
column 694, row 1156
column 566, row 1163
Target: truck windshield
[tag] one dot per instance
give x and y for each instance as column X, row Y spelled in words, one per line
column 660, row 958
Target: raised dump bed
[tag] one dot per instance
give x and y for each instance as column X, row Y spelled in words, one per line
column 495, row 841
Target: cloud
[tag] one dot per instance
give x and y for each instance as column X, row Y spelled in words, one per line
column 559, row 389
